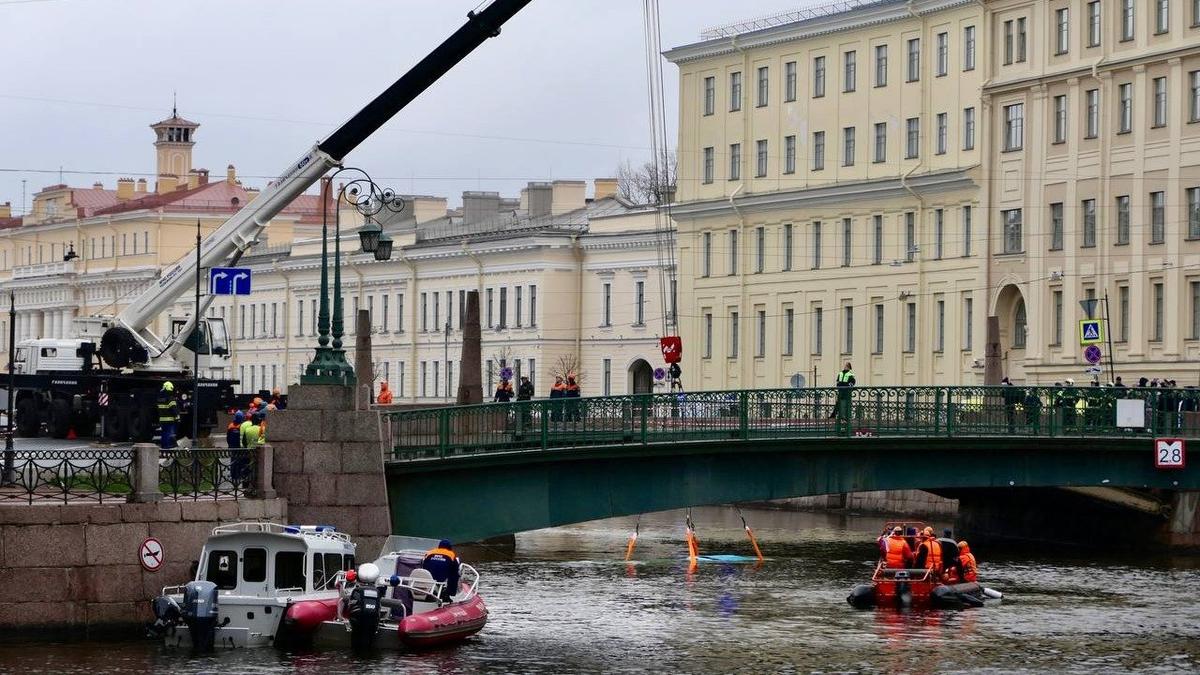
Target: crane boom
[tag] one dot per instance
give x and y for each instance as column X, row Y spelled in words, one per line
column 244, row 227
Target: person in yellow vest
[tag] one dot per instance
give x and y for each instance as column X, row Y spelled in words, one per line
column 168, row 415
column 845, row 382
column 253, row 434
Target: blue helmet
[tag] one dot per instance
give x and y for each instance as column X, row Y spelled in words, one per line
column 239, row 417
column 445, row 543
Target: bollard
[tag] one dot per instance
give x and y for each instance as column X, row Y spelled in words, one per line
column 144, row 474
column 264, row 458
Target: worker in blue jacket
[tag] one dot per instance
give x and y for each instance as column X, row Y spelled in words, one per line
column 442, row 564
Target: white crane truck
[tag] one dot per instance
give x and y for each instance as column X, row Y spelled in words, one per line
column 70, row 385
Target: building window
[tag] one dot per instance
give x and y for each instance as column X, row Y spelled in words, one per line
column 847, row 232
column 1009, row 42
column 707, row 254
column 1123, row 212
column 437, row 322
column 425, row 377
column 708, row 335
column 1013, row 241
column 940, row 133
column 760, row 159
column 299, row 317
column 789, row 81
column 1158, row 313
column 708, row 165
column 1160, row 101
column 607, row 316
column 733, row 252
column 966, row 226
column 764, row 81
column 912, row 147
column 881, row 65
column 910, row 236
column 1060, row 118
column 1062, row 33
column 1092, row 113
column 877, row 348
column 939, row 223
column 816, row 253
column 1088, row 208
column 710, row 95
column 1020, row 326
column 1127, row 20
column 939, row 338
column 761, row 343
column 1195, row 286
column 789, row 334
column 734, row 329
column 1057, row 302
column 503, row 307
column 877, row 239
column 1125, row 108
column 910, row 338
column 787, row 247
column 735, row 91
column 789, row 154
column 914, row 59
column 760, row 248
column 849, row 71
column 880, row 142
column 969, row 48
column 1056, row 226
column 607, row 377
column 1123, row 311
column 1194, row 87
column 1021, row 40
column 1014, row 126
column 1158, row 217
column 848, row 333
column 818, row 330
column 1195, row 13
column 491, row 323
column 818, row 151
column 818, row 77
column 735, row 161
column 1193, row 213
column 848, row 146
column 943, row 54
column 968, row 323
column 1093, row 23
column 639, row 308
column 969, row 128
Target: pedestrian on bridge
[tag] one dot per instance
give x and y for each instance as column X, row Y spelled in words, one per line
column 168, row 415
column 845, row 382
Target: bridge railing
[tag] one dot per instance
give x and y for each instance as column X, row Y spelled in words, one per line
column 565, row 423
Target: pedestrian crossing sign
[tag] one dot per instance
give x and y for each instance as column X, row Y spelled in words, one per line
column 1091, row 331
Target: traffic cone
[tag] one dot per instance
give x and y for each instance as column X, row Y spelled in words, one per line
column 71, row 435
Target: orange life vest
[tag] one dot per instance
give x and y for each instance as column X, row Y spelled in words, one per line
column 933, row 555
column 896, row 549
column 441, row 551
column 970, row 569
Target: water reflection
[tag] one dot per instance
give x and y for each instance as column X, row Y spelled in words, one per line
column 569, row 602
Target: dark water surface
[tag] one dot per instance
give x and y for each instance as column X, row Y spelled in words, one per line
column 568, row 603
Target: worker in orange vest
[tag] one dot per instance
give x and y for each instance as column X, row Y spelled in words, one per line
column 929, row 552
column 896, row 553
column 385, row 394
column 966, row 561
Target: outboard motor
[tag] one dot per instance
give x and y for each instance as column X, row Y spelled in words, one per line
column 167, row 615
column 362, row 607
column 200, row 613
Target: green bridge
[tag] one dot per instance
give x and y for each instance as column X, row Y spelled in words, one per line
column 472, row 472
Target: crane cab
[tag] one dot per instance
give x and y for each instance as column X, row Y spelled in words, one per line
column 210, row 340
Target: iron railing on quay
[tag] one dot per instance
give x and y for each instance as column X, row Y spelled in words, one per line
column 49, row 476
column 207, row 473
column 565, row 423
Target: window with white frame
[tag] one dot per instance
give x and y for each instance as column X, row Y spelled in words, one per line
column 849, row 71
column 789, row 154
column 877, row 239
column 1123, row 218
column 1057, row 226
column 1088, row 217
column 708, row 335
column 710, row 95
column 787, row 246
column 910, row 236
column 942, row 63
column 967, row 213
column 877, row 348
column 914, row 60
column 1093, row 23
column 760, row 348
column 818, row 151
column 735, row 161
column 1127, row 19
column 940, row 130
column 1160, row 101
column 709, row 160
column 848, row 146
column 912, row 145
column 733, row 253
column 789, row 81
column 1158, row 217
column 881, row 60
column 760, row 164
column 735, row 91
column 1013, row 238
column 1162, row 16
column 734, row 330
column 1060, row 118
column 880, row 154
column 818, row 77
column 969, row 128
column 1014, row 126
column 816, row 252
column 969, row 48
column 1125, row 108
column 1062, row 30
column 847, row 235
column 764, row 83
column 1091, row 113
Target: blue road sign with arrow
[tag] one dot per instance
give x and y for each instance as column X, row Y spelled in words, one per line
column 229, row 281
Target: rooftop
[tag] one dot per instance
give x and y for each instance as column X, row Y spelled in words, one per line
column 783, row 18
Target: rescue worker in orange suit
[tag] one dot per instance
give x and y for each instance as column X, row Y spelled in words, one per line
column 557, row 391
column 442, row 564
column 929, row 552
column 385, row 394
column 896, row 553
column 966, row 562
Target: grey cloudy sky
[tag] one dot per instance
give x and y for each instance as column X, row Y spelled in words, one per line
column 561, row 94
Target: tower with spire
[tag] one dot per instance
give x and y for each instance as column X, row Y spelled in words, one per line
column 173, row 142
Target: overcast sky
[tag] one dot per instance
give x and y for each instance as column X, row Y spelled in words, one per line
column 560, row 95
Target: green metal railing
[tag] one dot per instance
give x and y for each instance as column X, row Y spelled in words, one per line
column 747, row 415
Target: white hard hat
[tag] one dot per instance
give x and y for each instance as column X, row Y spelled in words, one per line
column 368, row 573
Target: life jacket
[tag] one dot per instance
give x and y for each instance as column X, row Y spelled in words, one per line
column 845, row 376
column 441, row 551
column 970, row 569
column 933, row 555
column 253, row 436
column 896, row 548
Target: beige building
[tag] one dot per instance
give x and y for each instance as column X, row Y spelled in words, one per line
column 829, row 201
column 1093, row 182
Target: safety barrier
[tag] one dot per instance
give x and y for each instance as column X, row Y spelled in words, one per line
column 747, row 415
column 207, row 473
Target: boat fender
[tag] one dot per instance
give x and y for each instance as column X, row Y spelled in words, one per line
column 200, row 613
column 992, row 594
column 969, row 600
column 946, row 597
column 862, row 596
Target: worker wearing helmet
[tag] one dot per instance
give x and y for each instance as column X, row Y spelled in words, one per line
column 966, row 561
column 896, row 553
column 168, row 415
column 443, row 565
column 233, row 434
column 929, row 552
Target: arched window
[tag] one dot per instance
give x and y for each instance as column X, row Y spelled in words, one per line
column 1019, row 326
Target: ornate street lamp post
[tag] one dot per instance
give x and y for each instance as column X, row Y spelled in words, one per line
column 329, row 365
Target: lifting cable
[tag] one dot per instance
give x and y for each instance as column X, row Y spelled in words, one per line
column 749, row 533
column 662, row 174
column 633, row 539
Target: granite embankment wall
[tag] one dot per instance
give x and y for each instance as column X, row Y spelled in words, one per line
column 72, row 570
column 907, row 503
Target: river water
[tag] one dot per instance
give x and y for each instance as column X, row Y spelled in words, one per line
column 568, row 603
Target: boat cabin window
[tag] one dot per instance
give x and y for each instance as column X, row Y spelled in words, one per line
column 327, row 565
column 289, row 569
column 254, row 564
column 222, row 569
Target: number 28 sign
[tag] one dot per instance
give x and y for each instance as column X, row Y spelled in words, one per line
column 1169, row 453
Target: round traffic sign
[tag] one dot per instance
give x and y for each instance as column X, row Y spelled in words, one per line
column 150, row 554
column 1092, row 354
column 660, row 374
column 506, row 373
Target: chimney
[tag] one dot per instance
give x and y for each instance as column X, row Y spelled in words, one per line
column 6, row 210
column 203, row 173
column 125, row 188
column 97, row 185
column 480, row 207
column 230, row 174
column 567, row 196
column 426, row 209
column 605, row 187
column 193, row 179
column 539, row 199
column 166, row 183
column 524, row 200
column 141, row 185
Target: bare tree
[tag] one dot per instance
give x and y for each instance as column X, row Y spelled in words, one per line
column 566, row 366
column 649, row 183
column 500, row 358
